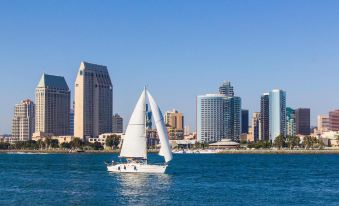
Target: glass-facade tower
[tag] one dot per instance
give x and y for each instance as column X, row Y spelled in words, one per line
column 277, row 113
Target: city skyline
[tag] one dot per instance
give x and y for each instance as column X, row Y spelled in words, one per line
column 181, row 48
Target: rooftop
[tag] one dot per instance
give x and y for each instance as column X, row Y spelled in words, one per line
column 87, row 65
column 51, row 81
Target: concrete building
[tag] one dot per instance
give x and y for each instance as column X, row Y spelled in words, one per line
column 265, row 117
column 23, row 123
column 117, row 124
column 323, row 123
column 334, row 120
column 210, row 117
column 226, row 89
column 174, row 121
column 218, row 117
column 277, row 115
column 244, row 121
column 256, row 127
column 102, row 138
column 290, row 122
column 93, row 101
column 303, row 121
column 52, row 98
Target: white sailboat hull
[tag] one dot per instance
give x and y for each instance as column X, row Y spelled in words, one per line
column 136, row 168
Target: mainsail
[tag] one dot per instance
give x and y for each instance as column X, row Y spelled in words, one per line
column 165, row 149
column 134, row 144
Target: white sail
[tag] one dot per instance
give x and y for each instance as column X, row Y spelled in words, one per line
column 165, row 149
column 134, row 143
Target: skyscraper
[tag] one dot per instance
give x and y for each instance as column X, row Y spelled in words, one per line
column 303, row 123
column 226, row 89
column 71, row 122
column 23, row 123
column 323, row 123
column 277, row 115
column 265, row 117
column 218, row 116
column 256, row 126
column 334, row 120
column 290, row 122
column 244, row 121
column 210, row 117
column 52, row 97
column 232, row 118
column 174, row 121
column 117, row 124
column 93, row 101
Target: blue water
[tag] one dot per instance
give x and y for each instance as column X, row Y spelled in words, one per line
column 81, row 179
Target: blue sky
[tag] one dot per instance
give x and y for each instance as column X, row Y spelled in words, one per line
column 180, row 49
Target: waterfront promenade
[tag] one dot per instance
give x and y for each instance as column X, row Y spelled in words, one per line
column 240, row 151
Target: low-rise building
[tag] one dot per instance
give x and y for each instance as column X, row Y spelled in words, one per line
column 102, row 138
column 61, row 139
column 225, row 144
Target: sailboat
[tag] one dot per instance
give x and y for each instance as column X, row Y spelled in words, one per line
column 134, row 146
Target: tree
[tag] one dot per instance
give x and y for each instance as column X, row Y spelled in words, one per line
column 4, row 145
column 308, row 142
column 54, row 143
column 97, row 146
column 279, row 141
column 65, row 145
column 41, row 144
column 113, row 141
column 76, row 143
column 48, row 142
column 292, row 141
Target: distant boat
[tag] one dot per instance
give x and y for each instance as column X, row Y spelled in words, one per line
column 134, row 146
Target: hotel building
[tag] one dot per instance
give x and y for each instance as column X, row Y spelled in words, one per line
column 93, row 101
column 52, row 98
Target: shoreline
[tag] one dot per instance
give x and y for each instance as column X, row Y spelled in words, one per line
column 257, row 151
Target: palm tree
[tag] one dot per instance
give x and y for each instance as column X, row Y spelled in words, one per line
column 279, row 141
column 292, row 141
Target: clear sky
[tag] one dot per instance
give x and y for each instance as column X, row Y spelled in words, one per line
column 180, row 49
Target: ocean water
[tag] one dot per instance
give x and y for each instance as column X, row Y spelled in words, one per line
column 82, row 179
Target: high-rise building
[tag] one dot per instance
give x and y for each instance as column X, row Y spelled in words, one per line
column 323, row 123
column 303, row 122
column 52, row 98
column 265, row 117
column 218, row 116
column 210, row 117
column 226, row 89
column 334, row 120
column 290, row 122
column 174, row 121
column 117, row 124
column 256, row 126
column 277, row 113
column 71, row 122
column 23, row 123
column 93, row 101
column 244, row 121
column 148, row 118
column 232, row 118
